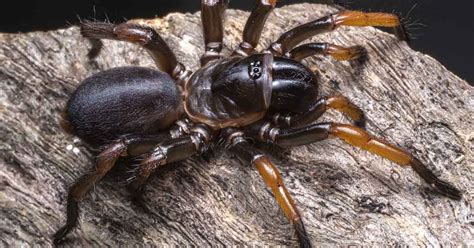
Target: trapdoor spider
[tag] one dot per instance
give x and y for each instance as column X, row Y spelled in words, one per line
column 171, row 114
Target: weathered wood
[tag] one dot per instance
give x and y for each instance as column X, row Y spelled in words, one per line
column 346, row 196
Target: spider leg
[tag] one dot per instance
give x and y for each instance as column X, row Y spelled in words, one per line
column 168, row 151
column 105, row 162
column 254, row 26
column 145, row 36
column 359, row 138
column 337, row 52
column 293, row 37
column 272, row 178
column 212, row 12
column 172, row 150
column 318, row 108
column 96, row 47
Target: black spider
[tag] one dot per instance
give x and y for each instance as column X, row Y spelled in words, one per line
column 172, row 114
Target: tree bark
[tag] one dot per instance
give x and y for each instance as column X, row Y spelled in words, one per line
column 346, row 196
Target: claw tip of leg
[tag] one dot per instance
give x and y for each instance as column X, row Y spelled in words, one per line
column 449, row 190
column 444, row 188
column 302, row 234
column 361, row 123
column 58, row 237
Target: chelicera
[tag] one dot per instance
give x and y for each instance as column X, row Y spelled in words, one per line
column 171, row 114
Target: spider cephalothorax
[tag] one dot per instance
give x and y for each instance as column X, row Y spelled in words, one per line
column 171, row 114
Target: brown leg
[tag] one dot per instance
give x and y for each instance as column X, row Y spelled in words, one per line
column 131, row 145
column 169, row 151
column 254, row 26
column 343, row 105
column 96, row 47
column 337, row 52
column 338, row 103
column 145, row 169
column 272, row 178
column 293, row 37
column 360, row 138
column 212, row 12
column 376, row 19
column 142, row 35
column 106, row 160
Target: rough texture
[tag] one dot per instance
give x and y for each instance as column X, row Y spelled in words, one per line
column 347, row 196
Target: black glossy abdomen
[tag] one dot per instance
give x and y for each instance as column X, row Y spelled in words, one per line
column 121, row 101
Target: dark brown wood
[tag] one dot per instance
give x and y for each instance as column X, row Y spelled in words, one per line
column 345, row 195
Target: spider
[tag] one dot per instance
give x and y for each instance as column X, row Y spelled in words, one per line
column 172, row 114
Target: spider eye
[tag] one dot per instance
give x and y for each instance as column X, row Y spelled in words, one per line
column 255, row 69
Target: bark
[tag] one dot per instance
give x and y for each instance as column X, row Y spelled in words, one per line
column 346, row 196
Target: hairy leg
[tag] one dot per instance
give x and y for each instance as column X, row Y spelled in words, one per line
column 169, row 151
column 105, row 161
column 147, row 37
column 126, row 146
column 293, row 37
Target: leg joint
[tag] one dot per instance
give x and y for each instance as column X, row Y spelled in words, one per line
column 134, row 33
column 158, row 156
column 182, row 127
column 245, row 49
column 200, row 135
column 267, row 133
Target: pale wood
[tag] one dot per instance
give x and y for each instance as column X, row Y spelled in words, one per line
column 347, row 196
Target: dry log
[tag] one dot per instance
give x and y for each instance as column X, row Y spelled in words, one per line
column 346, row 196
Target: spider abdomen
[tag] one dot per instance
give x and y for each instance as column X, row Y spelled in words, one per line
column 122, row 101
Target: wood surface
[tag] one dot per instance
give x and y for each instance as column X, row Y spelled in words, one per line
column 346, row 196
